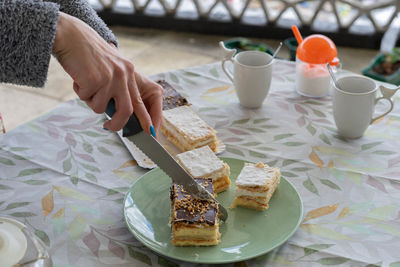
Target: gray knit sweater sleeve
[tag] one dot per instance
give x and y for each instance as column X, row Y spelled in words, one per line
column 82, row 10
column 27, row 30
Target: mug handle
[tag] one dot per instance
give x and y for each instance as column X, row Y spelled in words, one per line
column 227, row 56
column 386, row 94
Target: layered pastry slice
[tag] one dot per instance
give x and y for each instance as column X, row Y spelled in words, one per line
column 194, row 222
column 203, row 163
column 255, row 185
column 185, row 129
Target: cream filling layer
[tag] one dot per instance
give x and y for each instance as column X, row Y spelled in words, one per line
column 183, row 140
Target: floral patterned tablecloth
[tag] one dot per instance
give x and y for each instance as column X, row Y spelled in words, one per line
column 65, row 177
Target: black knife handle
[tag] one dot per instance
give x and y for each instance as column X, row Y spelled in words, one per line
column 132, row 127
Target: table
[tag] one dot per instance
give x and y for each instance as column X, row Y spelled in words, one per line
column 65, row 177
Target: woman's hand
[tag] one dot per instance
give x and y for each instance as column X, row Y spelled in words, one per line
column 100, row 73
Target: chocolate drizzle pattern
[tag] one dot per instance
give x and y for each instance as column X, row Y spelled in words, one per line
column 186, row 209
column 172, row 98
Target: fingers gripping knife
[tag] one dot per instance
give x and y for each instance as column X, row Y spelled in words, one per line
column 156, row 152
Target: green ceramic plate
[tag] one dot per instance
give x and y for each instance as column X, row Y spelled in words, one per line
column 246, row 234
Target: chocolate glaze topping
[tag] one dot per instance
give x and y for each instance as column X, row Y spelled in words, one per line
column 185, row 208
column 172, row 98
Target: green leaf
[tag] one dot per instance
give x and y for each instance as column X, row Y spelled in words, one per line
column 311, row 129
column 319, row 113
column 255, row 130
column 43, row 236
column 16, row 205
column 36, row 182
column 316, row 247
column 293, row 144
column 67, row 166
column 112, row 142
column 91, row 134
column 30, row 172
column 383, row 152
column 18, row 148
column 282, row 136
column 289, row 174
column 104, row 150
column 332, row 260
column 330, row 184
column 269, row 126
column 214, row 72
column 257, row 154
column 240, row 121
column 74, row 179
column 166, row 263
column 90, row 167
column 91, row 177
column 23, row 214
column 260, row 120
column 310, row 186
column 301, row 169
column 324, row 138
column 18, row 157
column 87, row 147
column 5, row 187
column 6, row 161
column 234, row 151
column 288, row 162
column 252, row 144
column 1, row 202
column 139, row 256
column 370, row 145
column 272, row 163
column 174, row 78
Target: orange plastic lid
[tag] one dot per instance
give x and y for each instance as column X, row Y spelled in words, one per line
column 318, row 49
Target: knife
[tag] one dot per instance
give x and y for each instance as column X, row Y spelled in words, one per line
column 156, row 152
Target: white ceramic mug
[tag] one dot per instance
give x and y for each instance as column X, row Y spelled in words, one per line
column 252, row 73
column 354, row 104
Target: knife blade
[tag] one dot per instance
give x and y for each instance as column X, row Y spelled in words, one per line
column 156, row 152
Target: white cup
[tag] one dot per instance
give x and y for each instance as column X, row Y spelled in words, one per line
column 354, row 104
column 252, row 73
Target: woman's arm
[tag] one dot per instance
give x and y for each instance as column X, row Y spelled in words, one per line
column 27, row 31
column 82, row 10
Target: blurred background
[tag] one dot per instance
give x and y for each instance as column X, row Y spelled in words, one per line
column 162, row 35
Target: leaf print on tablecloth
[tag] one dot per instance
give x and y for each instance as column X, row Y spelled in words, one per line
column 69, row 192
column 381, row 213
column 257, row 154
column 43, row 236
column 370, row 145
column 6, row 161
column 332, row 261
column 217, row 89
column 325, row 138
column 272, row 163
column 288, row 174
column 311, row 129
column 232, row 140
column 251, row 144
column 76, row 228
column 282, row 136
column 67, row 165
column 242, row 121
column 301, row 169
column 58, row 221
column 174, row 78
column 332, row 150
column 330, row 184
column 129, row 163
column 90, row 167
column 74, row 178
column 318, row 113
column 345, row 211
column 91, row 177
column 234, row 151
column 62, row 154
column 395, row 184
column 395, row 264
column 36, row 182
column 287, row 162
column 105, row 151
column 23, row 214
column 238, row 132
column 57, row 118
column 87, row 147
column 323, row 232
column 69, row 138
column 257, row 121
column 116, row 249
column 128, row 176
column 139, row 256
column 16, row 149
column 214, row 72
column 384, row 152
column 85, row 157
column 92, row 242
column 322, row 211
column 315, row 247
column 376, row 184
column 27, row 172
column 316, row 159
column 310, row 186
column 53, row 132
column 91, row 134
column 16, row 205
column 301, row 121
column 300, row 109
column 48, row 203
column 5, row 187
